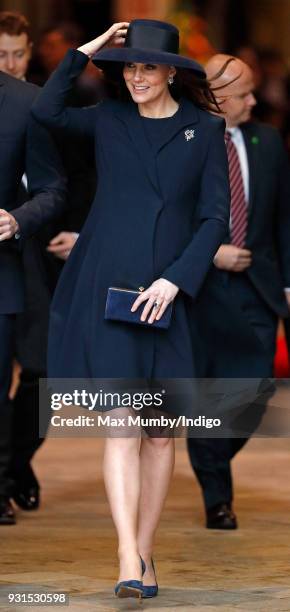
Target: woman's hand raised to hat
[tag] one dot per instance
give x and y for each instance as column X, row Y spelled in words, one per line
column 157, row 298
column 115, row 35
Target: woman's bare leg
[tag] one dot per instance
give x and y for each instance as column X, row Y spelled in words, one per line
column 122, row 482
column 156, row 468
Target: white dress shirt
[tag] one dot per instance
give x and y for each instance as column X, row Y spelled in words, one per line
column 24, row 181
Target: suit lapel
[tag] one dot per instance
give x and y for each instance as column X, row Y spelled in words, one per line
column 2, row 89
column 252, row 148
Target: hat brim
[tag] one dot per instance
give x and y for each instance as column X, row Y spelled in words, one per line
column 129, row 54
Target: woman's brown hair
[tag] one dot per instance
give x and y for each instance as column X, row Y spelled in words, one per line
column 186, row 84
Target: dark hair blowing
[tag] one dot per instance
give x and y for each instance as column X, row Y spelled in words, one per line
column 186, row 85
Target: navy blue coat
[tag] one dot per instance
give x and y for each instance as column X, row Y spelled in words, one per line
column 160, row 213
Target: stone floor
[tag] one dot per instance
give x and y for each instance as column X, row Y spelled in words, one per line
column 69, row 545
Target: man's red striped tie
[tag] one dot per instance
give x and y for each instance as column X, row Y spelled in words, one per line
column 239, row 209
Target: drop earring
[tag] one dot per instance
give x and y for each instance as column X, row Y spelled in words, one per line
column 170, row 80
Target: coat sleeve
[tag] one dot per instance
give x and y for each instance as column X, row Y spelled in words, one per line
column 46, row 181
column 50, row 108
column 189, row 271
column 283, row 210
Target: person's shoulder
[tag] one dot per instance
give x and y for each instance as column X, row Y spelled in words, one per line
column 261, row 132
column 210, row 119
column 111, row 109
column 32, row 88
column 111, row 105
column 265, row 137
column 17, row 84
column 206, row 119
column 18, row 89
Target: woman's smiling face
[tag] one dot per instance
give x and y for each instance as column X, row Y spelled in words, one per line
column 147, row 82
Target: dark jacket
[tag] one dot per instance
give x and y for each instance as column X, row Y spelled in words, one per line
column 25, row 147
column 41, row 268
column 268, row 234
column 160, row 213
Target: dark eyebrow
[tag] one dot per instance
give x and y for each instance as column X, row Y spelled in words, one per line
column 221, row 72
column 13, row 50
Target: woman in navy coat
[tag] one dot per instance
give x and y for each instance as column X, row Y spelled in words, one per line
column 159, row 215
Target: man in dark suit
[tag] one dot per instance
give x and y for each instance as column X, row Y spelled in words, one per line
column 254, row 265
column 41, row 270
column 25, row 147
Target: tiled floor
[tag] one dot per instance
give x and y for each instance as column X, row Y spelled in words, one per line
column 69, row 545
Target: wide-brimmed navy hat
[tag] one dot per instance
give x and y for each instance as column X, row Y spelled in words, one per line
column 149, row 41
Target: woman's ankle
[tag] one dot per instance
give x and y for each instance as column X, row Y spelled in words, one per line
column 146, row 556
column 127, row 552
column 130, row 564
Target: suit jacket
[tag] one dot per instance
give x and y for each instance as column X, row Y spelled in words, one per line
column 42, row 269
column 25, row 146
column 268, row 235
column 157, row 213
column 231, row 347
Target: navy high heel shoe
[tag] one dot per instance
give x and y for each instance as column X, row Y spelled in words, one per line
column 150, row 591
column 131, row 588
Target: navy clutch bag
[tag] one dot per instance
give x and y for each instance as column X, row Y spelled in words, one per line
column 119, row 304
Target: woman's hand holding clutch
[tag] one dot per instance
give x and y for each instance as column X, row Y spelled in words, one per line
column 157, row 298
column 114, row 36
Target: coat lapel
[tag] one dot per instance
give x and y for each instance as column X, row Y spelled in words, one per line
column 129, row 114
column 185, row 117
column 252, row 147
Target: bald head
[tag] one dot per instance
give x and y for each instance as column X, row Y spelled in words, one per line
column 232, row 82
column 225, row 71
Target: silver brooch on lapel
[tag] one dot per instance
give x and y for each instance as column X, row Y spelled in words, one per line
column 189, row 134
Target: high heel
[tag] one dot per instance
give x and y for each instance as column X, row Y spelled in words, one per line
column 131, row 588
column 150, row 591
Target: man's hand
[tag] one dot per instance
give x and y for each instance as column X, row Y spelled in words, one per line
column 62, row 244
column 8, row 225
column 287, row 296
column 232, row 258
